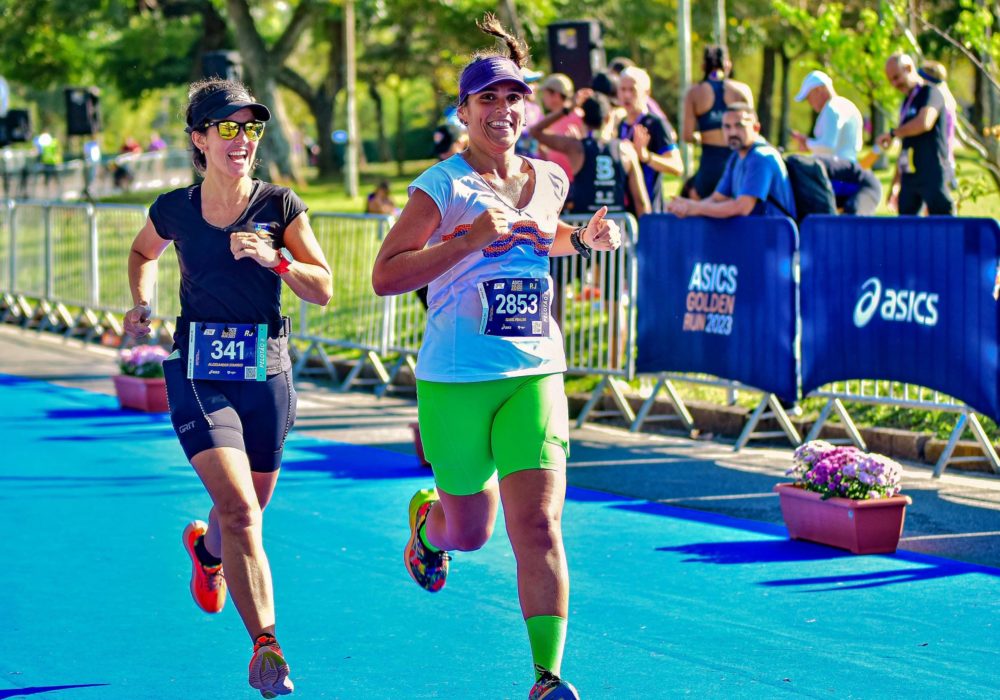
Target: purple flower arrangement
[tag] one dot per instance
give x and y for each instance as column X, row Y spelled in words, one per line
column 145, row 361
column 845, row 472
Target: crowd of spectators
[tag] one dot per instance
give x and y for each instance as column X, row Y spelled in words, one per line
column 619, row 147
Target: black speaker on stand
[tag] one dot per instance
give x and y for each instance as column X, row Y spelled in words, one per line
column 18, row 125
column 222, row 64
column 577, row 49
column 83, row 111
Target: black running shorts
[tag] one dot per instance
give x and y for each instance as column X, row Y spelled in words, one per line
column 253, row 417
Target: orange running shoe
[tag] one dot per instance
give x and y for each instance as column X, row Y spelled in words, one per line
column 268, row 668
column 208, row 584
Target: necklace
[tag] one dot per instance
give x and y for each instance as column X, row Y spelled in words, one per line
column 510, row 190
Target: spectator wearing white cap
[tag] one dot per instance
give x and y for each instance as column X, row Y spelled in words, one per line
column 839, row 127
column 557, row 95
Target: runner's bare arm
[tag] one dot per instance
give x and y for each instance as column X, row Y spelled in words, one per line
column 404, row 264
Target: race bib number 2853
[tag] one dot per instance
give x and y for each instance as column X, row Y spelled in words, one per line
column 515, row 307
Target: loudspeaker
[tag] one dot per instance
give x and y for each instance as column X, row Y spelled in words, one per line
column 18, row 123
column 577, row 49
column 222, row 64
column 83, row 111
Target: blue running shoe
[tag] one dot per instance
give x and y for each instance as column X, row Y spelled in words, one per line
column 552, row 687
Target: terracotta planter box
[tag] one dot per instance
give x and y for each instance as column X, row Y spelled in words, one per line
column 419, row 445
column 862, row 527
column 149, row 395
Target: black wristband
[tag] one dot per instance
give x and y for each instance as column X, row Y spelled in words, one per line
column 892, row 133
column 566, row 111
column 576, row 238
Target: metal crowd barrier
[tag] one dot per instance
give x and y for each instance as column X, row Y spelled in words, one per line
column 359, row 321
column 595, row 308
column 62, row 268
column 55, row 257
column 24, row 177
column 886, row 393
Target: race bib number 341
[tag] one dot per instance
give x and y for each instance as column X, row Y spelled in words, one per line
column 234, row 352
column 515, row 307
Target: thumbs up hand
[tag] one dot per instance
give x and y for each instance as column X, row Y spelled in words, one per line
column 602, row 234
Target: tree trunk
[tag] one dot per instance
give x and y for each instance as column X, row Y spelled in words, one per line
column 765, row 99
column 262, row 68
column 400, row 131
column 321, row 100
column 332, row 84
column 981, row 100
column 213, row 36
column 384, row 154
column 786, row 99
column 508, row 11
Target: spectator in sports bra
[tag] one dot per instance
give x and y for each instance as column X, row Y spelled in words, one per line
column 704, row 105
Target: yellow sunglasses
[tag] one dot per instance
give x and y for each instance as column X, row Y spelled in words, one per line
column 228, row 129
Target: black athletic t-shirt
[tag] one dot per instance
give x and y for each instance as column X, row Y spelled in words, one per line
column 602, row 179
column 927, row 152
column 214, row 286
column 660, row 142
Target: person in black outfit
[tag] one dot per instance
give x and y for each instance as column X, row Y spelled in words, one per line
column 704, row 105
column 856, row 190
column 923, row 168
column 650, row 134
column 603, row 169
column 228, row 380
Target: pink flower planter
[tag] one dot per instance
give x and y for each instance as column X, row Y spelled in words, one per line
column 863, row 527
column 149, row 395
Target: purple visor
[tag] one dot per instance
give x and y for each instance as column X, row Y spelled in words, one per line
column 480, row 74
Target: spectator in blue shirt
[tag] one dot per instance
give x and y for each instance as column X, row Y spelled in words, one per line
column 755, row 181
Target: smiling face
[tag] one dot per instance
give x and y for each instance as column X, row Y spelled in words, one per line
column 494, row 116
column 233, row 159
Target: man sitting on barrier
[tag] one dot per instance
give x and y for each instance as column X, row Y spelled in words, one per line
column 755, row 180
column 857, row 191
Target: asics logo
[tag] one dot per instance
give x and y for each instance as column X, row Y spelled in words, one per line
column 521, row 233
column 905, row 305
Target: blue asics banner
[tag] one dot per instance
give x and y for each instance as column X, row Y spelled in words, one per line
column 718, row 296
column 907, row 299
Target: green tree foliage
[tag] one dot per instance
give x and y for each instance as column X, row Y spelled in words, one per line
column 854, row 42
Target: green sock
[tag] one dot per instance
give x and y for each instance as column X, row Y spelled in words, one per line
column 423, row 538
column 547, row 635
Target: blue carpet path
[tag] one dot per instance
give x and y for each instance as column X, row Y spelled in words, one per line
column 666, row 602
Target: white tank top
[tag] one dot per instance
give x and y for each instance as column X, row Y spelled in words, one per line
column 465, row 340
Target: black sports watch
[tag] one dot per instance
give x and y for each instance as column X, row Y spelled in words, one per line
column 576, row 238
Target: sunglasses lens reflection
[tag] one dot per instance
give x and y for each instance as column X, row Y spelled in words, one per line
column 229, row 129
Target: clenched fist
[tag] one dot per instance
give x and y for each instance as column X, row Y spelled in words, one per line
column 487, row 227
column 136, row 321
